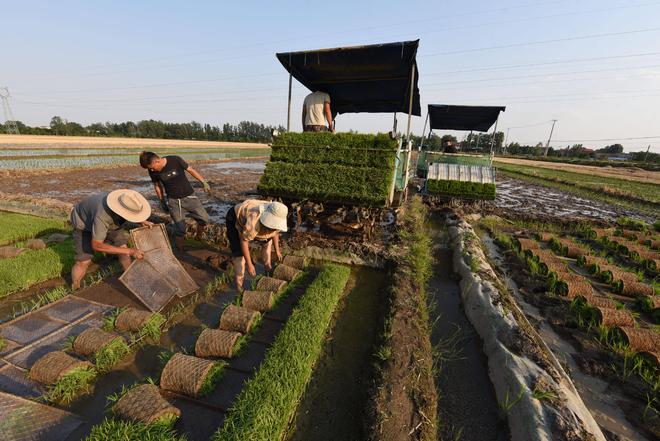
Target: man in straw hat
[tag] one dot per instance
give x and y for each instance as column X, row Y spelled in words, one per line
column 254, row 220
column 97, row 222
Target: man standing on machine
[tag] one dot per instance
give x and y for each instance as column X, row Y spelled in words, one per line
column 169, row 178
column 316, row 113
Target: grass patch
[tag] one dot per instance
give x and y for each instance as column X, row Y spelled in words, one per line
column 71, row 385
column 111, row 354
column 151, row 329
column 116, row 429
column 264, row 408
column 15, row 227
column 212, row 378
column 34, row 266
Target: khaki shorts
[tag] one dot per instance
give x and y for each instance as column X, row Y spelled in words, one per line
column 82, row 242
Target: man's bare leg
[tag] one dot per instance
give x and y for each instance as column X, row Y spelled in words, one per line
column 265, row 255
column 124, row 259
column 200, row 231
column 239, row 272
column 78, row 271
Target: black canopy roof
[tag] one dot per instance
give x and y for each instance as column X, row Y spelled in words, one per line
column 449, row 117
column 374, row 78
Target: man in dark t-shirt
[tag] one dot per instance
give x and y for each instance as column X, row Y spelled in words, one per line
column 169, row 178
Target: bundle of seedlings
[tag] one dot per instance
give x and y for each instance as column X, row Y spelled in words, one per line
column 349, row 156
column 192, row 376
column 609, row 317
column 602, row 302
column 600, row 233
column 573, row 285
column 592, row 263
column 612, row 273
column 461, row 189
column 629, row 234
column 544, row 256
column 261, row 301
column 270, row 284
column 650, row 304
column 106, row 349
column 568, row 248
column 239, row 319
column 380, row 141
column 298, row 262
column 287, row 273
column 544, row 236
column 633, row 288
column 144, row 404
column 218, row 343
column 145, row 323
column 527, row 244
column 637, row 339
column 67, row 376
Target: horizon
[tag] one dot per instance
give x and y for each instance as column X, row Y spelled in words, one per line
column 593, row 66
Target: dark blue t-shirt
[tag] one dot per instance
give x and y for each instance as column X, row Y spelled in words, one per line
column 173, row 177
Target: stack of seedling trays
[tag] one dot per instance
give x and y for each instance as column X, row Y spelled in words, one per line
column 342, row 168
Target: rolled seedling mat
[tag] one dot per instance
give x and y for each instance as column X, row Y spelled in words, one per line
column 91, row 340
column 185, row 374
column 574, row 251
column 602, row 302
column 640, row 339
column 261, row 301
column 610, row 273
column 652, row 357
column 528, row 244
column 655, row 244
column 216, row 343
column 545, row 237
column 576, row 288
column 653, row 264
column 238, row 319
column 144, row 404
column 556, row 267
column 297, row 262
column 654, row 301
column 54, row 365
column 132, row 319
column 636, row 289
column 285, row 272
column 631, row 234
column 270, row 284
column 610, row 317
column 603, row 232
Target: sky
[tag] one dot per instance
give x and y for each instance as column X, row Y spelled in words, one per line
column 593, row 65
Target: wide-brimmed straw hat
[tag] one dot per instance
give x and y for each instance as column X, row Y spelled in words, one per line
column 129, row 204
column 273, row 215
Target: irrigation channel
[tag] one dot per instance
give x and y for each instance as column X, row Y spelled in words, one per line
column 467, row 405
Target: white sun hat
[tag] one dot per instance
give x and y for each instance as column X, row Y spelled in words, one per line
column 129, row 204
column 273, row 215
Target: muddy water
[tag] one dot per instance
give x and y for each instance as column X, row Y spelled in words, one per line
column 467, row 405
column 335, row 400
column 598, row 396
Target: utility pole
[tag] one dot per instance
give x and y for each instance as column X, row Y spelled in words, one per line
column 646, row 155
column 10, row 122
column 547, row 146
column 506, row 139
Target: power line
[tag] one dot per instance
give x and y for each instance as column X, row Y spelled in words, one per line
column 609, row 139
column 541, row 42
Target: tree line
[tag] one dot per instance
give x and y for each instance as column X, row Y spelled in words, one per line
column 244, row 131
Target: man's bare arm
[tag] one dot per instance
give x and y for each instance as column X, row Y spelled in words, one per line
column 328, row 116
column 195, row 174
column 159, row 191
column 102, row 247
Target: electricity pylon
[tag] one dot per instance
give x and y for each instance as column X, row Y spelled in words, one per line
column 10, row 122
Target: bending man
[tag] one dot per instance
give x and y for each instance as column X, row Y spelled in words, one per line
column 169, row 178
column 256, row 220
column 98, row 222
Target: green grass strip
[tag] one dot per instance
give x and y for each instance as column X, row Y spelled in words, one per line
column 335, row 155
column 15, row 227
column 34, row 266
column 116, row 429
column 327, row 183
column 70, row 385
column 111, row 354
column 264, row 408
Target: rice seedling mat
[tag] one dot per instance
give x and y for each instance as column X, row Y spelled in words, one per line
column 25, row 420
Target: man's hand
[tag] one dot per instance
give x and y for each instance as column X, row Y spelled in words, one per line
column 147, row 224
column 278, row 254
column 207, row 187
column 250, row 269
column 134, row 252
column 164, row 205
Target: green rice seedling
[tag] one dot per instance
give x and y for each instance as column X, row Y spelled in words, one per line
column 165, row 356
column 152, row 328
column 3, row 343
column 15, row 227
column 34, row 266
column 110, row 319
column 542, row 395
column 111, row 354
column 68, row 343
column 212, row 378
column 461, row 189
column 509, row 402
column 115, row 429
column 71, row 385
column 263, row 409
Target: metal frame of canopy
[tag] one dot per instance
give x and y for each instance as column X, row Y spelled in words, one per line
column 407, row 100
